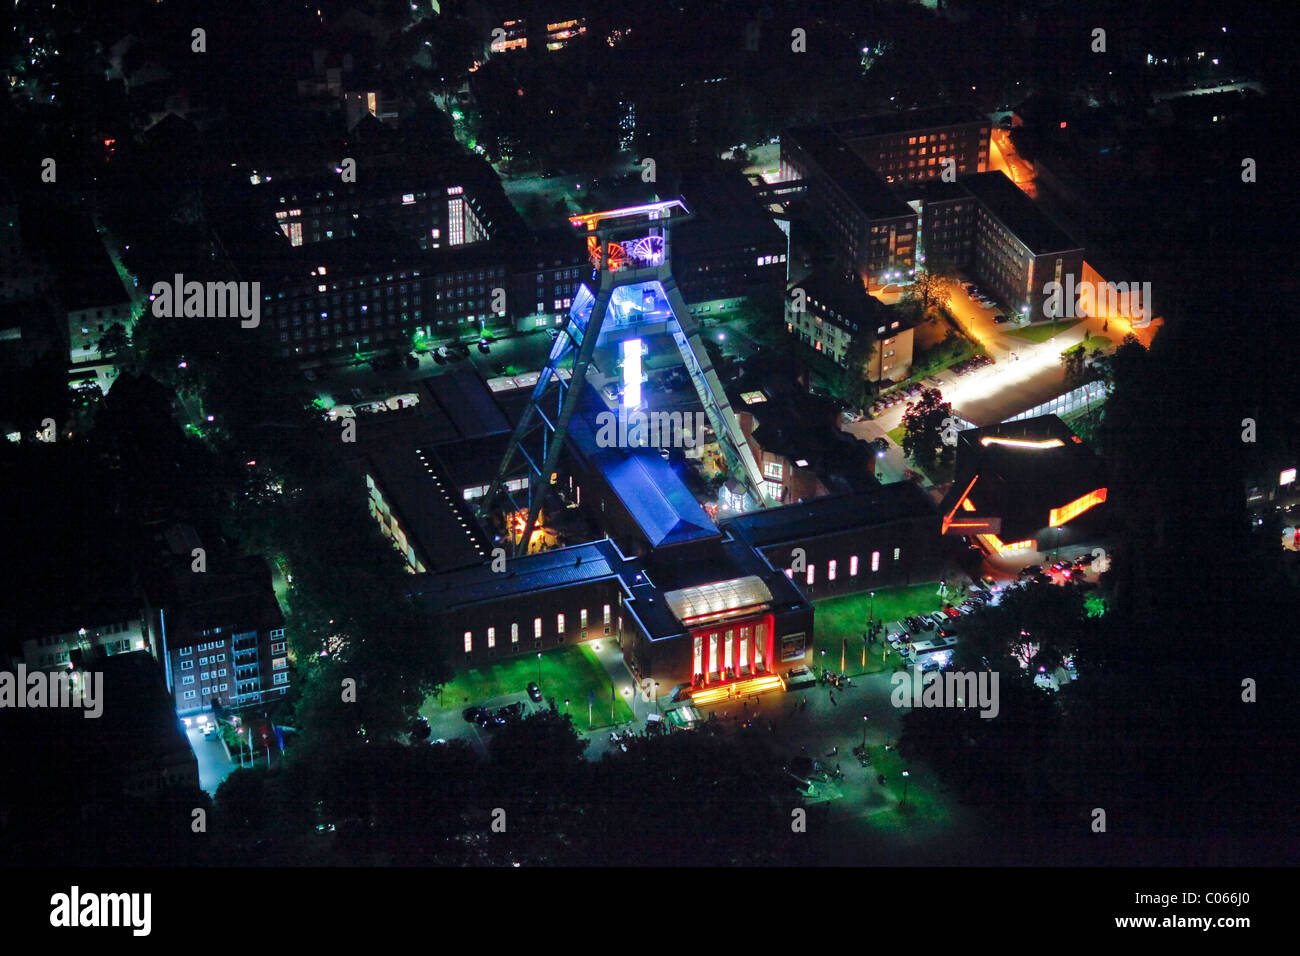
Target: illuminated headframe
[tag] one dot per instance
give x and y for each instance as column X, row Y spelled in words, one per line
column 646, row 251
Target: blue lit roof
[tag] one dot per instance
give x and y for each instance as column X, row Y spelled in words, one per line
column 666, row 512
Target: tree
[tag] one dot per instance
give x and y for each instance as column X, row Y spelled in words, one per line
column 925, row 424
column 1073, row 361
column 114, row 341
column 856, row 385
column 928, row 290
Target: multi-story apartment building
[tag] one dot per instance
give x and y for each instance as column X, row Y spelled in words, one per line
column 871, row 229
column 102, row 630
column 322, row 208
column 1018, row 250
column 221, row 637
column 731, row 249
column 836, row 310
column 368, row 292
column 946, row 214
column 546, row 271
column 914, row 146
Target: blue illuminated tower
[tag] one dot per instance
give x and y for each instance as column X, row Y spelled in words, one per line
column 632, row 294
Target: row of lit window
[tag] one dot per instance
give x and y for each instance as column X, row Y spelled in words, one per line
column 832, row 567
column 537, row 629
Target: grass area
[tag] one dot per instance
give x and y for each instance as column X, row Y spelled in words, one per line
column 1082, row 414
column 1041, row 333
column 838, row 618
column 1094, row 343
column 922, row 802
column 567, row 673
column 896, row 435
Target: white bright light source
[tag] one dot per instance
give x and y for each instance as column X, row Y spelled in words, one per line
column 1287, row 477
column 632, row 373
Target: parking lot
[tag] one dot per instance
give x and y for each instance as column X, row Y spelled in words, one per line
column 570, row 674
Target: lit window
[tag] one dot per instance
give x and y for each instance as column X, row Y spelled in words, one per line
column 537, row 628
column 853, row 566
column 469, row 641
column 559, row 623
column 606, row 615
column 492, row 637
column 812, row 576
column 1060, row 516
column 830, row 571
column 875, row 560
column 582, row 619
column 514, row 633
column 897, row 552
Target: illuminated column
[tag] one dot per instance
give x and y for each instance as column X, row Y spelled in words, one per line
column 768, row 661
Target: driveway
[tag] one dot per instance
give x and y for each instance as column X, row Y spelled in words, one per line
column 213, row 765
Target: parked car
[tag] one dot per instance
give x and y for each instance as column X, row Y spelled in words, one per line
column 483, row 347
column 473, row 715
column 420, row 728
column 939, row 618
column 534, row 692
column 1031, row 569
column 999, row 318
column 927, row 622
column 511, row 711
column 951, row 612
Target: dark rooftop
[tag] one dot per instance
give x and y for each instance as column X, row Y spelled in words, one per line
column 1018, row 213
column 428, row 506
column 901, row 122
column 893, row 502
column 866, row 188
column 562, row 567
column 845, row 296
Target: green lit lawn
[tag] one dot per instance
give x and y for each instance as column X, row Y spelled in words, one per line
column 846, row 617
column 570, row 672
column 922, row 802
column 1041, row 333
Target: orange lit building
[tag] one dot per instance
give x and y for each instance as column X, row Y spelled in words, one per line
column 1028, row 485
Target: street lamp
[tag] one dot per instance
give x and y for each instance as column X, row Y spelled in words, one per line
column 904, row 803
column 871, row 612
column 566, row 705
column 539, row 670
column 865, row 719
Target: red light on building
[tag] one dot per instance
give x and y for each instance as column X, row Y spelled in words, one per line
column 1064, row 124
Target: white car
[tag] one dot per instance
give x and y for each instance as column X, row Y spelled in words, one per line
column 941, row 619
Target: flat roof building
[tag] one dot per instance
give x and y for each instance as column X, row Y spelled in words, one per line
column 1028, row 485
